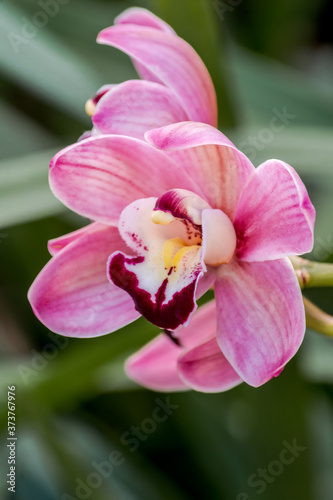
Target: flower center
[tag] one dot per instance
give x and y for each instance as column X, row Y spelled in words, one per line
column 212, row 230
column 174, row 250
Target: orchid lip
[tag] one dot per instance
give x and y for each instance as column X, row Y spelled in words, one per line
column 203, row 224
column 174, row 237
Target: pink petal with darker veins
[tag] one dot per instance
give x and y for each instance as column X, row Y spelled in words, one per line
column 260, row 317
column 171, row 61
column 275, row 217
column 218, row 167
column 204, row 368
column 142, row 17
column 156, row 365
column 135, row 106
column 100, row 176
column 72, row 295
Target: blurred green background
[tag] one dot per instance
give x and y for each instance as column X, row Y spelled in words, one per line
column 75, row 406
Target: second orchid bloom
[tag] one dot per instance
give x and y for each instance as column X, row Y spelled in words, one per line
column 176, row 209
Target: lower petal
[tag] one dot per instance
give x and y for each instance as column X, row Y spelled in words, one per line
column 205, row 369
column 155, row 365
column 261, row 320
column 72, row 295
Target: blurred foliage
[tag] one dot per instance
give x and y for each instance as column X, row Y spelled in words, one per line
column 267, row 60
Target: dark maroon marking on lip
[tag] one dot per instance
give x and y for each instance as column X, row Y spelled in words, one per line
column 98, row 96
column 167, row 316
column 137, row 240
column 120, row 276
column 171, row 202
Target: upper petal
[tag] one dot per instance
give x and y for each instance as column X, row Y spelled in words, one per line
column 135, row 106
column 142, row 17
column 100, row 176
column 155, row 365
column 72, row 295
column 261, row 320
column 218, row 167
column 171, row 61
column 274, row 217
column 204, row 368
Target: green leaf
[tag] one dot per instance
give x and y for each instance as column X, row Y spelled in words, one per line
column 308, row 149
column 315, row 358
column 24, row 191
column 40, row 378
column 320, row 419
column 43, row 64
column 265, row 85
column 20, row 134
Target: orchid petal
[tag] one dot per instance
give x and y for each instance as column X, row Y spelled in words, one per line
column 142, row 17
column 261, row 320
column 209, row 157
column 56, row 244
column 72, row 295
column 136, row 106
column 171, row 61
column 205, row 369
column 275, row 217
column 100, row 176
column 155, row 365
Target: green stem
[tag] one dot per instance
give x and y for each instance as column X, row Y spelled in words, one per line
column 318, row 320
column 312, row 274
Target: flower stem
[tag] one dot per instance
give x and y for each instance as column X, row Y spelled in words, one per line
column 318, row 320
column 312, row 274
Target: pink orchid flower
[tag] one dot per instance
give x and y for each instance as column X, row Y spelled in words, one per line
column 175, row 85
column 171, row 236
column 178, row 209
